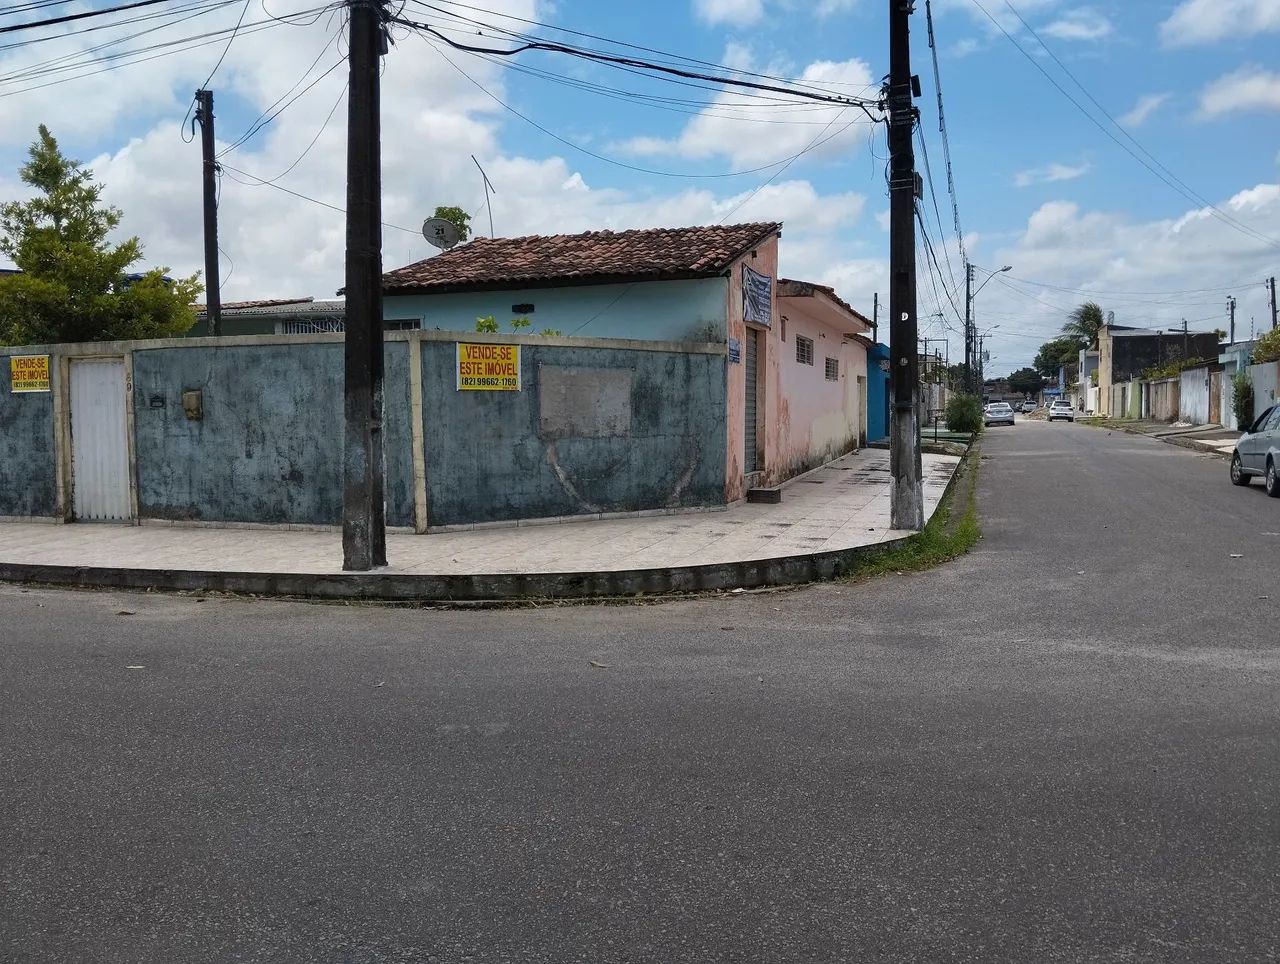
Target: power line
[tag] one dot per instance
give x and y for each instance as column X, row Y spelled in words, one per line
column 617, row 163
column 52, row 21
column 332, row 110
column 279, row 106
column 256, row 181
column 165, row 49
column 597, row 57
column 1182, row 189
column 672, row 57
column 942, row 129
column 230, row 40
column 780, row 171
column 933, row 256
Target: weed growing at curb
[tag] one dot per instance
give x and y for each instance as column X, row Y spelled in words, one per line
column 952, row 531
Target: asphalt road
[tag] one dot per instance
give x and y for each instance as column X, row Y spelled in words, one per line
column 1063, row 747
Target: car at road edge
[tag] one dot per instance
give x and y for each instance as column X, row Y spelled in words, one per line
column 1257, row 453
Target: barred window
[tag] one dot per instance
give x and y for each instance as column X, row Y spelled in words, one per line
column 804, row 350
column 833, row 369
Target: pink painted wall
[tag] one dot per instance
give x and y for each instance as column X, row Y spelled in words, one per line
column 818, row 419
column 764, row 261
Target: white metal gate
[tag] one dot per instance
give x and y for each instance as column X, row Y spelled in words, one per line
column 99, row 440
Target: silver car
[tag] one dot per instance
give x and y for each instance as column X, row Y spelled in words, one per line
column 1258, row 452
column 998, row 413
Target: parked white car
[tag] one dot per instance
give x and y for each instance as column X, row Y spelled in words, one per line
column 1258, row 452
column 1061, row 408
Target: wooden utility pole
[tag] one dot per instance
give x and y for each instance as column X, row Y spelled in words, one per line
column 212, row 284
column 906, row 491
column 364, row 531
column 1275, row 322
column 1231, row 306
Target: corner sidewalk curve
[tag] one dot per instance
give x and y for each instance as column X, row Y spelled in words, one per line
column 827, row 520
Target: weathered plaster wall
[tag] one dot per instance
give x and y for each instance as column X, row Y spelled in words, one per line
column 690, row 310
column 818, row 419
column 269, row 448
column 1266, row 385
column 27, row 483
column 592, row 430
column 763, row 260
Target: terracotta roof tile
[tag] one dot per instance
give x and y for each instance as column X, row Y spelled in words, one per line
column 595, row 257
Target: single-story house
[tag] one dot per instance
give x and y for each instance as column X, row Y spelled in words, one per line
column 277, row 316
column 797, row 392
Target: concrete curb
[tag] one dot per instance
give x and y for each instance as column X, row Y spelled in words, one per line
column 780, row 571
column 1180, row 440
column 750, row 574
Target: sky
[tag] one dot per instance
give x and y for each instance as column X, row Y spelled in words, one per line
column 1125, row 152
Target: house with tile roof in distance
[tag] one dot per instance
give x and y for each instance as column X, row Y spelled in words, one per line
column 792, row 400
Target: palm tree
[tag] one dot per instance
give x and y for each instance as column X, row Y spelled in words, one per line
column 1085, row 323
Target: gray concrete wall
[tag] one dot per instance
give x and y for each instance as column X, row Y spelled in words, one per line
column 269, row 447
column 27, row 465
column 600, row 429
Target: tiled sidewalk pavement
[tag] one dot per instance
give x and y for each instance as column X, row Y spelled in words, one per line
column 841, row 505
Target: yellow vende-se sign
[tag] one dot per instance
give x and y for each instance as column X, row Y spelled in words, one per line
column 29, row 373
column 488, row 368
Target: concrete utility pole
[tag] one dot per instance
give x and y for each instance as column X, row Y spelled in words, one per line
column 906, row 491
column 1231, row 306
column 212, row 284
column 364, row 531
column 969, row 332
column 1271, row 283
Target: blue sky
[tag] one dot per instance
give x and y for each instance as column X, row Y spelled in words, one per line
column 1040, row 187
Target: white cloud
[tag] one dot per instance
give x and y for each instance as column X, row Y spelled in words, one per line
column 1101, row 255
column 1082, row 23
column 733, row 12
column 1051, row 173
column 1246, row 89
column 1146, row 105
column 965, row 46
column 752, row 136
column 1206, row 21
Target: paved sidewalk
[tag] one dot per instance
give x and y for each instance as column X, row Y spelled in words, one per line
column 842, row 506
column 1211, row 439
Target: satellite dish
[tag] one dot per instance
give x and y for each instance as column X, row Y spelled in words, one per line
column 441, row 233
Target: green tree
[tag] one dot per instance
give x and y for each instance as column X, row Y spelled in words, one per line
column 1084, row 324
column 1054, row 354
column 458, row 217
column 1026, row 381
column 74, row 284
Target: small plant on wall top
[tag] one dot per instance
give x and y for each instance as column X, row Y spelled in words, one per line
column 489, row 325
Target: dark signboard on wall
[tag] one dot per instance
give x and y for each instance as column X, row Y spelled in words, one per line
column 757, row 297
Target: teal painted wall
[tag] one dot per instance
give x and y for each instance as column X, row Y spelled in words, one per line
column 497, row 456
column 27, row 482
column 652, row 310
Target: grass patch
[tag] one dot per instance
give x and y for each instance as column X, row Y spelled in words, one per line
column 952, row 531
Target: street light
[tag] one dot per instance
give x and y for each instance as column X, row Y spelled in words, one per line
column 1007, row 267
column 970, row 332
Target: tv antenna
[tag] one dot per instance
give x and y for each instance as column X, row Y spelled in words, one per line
column 488, row 189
